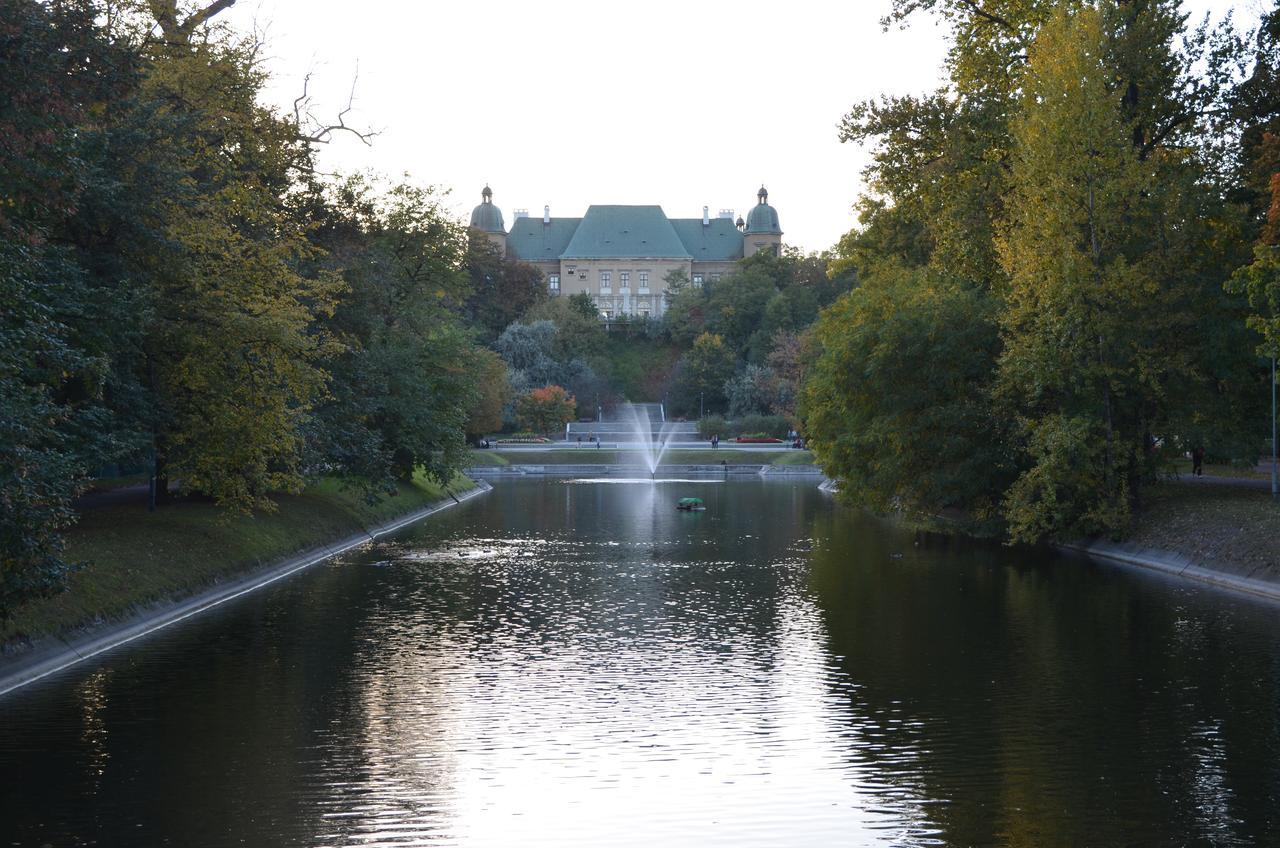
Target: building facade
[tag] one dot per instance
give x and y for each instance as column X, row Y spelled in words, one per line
column 622, row 255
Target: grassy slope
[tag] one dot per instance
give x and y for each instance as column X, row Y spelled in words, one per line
column 136, row 558
column 1234, row 528
column 795, row 457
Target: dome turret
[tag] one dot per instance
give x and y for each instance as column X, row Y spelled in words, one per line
column 487, row 217
column 763, row 218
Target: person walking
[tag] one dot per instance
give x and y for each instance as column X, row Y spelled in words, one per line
column 1197, row 461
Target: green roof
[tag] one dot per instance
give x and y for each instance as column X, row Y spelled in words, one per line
column 530, row 240
column 487, row 217
column 718, row 241
column 763, row 218
column 625, row 231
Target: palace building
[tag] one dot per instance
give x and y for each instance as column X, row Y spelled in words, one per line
column 620, row 255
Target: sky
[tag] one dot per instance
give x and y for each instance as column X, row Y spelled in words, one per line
column 567, row 103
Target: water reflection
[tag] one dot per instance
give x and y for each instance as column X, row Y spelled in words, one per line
column 577, row 664
column 1055, row 706
column 577, row 690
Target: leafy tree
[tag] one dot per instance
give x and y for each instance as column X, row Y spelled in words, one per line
column 754, row 391
column 528, row 350
column 502, row 290
column 401, row 391
column 582, row 303
column 897, row 404
column 493, row 393
column 56, row 70
column 700, row 376
column 545, row 410
column 231, row 348
column 579, row 334
column 789, row 358
column 39, row 471
column 1079, row 362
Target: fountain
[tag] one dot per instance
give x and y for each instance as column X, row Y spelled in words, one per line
column 651, row 444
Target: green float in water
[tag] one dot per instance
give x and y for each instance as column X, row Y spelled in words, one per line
column 690, row 504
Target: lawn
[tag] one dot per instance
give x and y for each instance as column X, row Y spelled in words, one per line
column 134, row 558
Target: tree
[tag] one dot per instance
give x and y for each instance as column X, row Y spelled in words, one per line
column 579, row 333
column 403, row 384
column 791, row 357
column 493, row 393
column 39, row 471
column 545, row 410
column 897, row 404
column 1078, row 363
column 57, row 69
column 700, row 376
column 582, row 303
column 528, row 350
column 502, row 290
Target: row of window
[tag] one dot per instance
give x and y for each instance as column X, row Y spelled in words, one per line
column 624, row 281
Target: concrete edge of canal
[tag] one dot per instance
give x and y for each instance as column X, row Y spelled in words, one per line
column 1164, row 562
column 1176, row 565
column 58, row 654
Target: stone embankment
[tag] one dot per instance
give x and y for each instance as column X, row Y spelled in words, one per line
column 1212, row 559
column 51, row 655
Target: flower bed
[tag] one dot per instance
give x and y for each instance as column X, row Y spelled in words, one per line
column 523, row 440
column 758, row 440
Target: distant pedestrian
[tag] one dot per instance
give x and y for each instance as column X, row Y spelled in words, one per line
column 1197, row 461
column 715, row 441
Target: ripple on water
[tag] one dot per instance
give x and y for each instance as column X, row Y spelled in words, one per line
column 602, row 701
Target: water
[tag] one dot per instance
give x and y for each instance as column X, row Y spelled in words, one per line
column 653, row 441
column 563, row 663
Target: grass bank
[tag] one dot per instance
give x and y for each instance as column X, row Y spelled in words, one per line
column 1228, row 528
column 134, row 558
column 601, row 456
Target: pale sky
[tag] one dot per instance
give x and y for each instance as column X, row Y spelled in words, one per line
column 569, row 103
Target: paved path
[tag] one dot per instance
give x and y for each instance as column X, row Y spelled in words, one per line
column 1217, row 480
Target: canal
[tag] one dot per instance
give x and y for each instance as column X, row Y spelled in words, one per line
column 577, row 663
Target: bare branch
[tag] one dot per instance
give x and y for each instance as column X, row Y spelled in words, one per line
column 972, row 6
column 323, row 133
column 197, row 18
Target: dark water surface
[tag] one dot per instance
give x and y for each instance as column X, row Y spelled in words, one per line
column 566, row 663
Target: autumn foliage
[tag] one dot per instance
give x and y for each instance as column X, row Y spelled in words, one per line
column 546, row 409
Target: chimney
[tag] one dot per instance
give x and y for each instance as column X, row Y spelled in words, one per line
column 706, row 216
column 546, row 214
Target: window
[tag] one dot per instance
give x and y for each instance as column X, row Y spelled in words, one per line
column 624, row 279
column 715, row 278
column 644, row 282
column 553, row 283
column 697, row 281
column 606, row 282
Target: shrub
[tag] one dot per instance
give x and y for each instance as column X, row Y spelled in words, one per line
column 712, row 425
column 762, row 426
